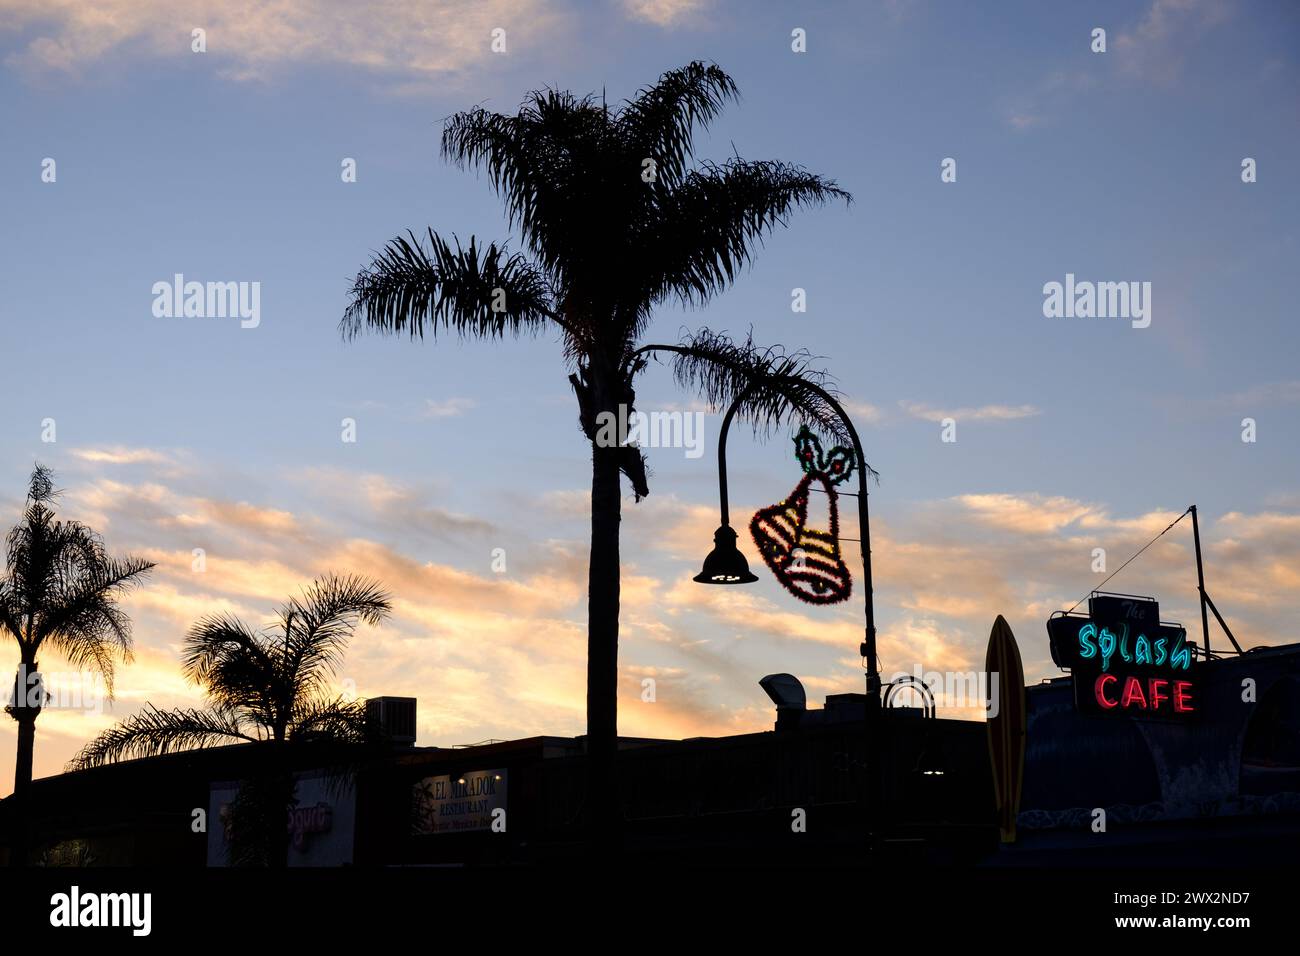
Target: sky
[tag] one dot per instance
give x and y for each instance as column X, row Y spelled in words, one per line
column 924, row 301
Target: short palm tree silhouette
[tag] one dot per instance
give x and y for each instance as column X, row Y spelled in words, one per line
column 617, row 218
column 269, row 687
column 59, row 592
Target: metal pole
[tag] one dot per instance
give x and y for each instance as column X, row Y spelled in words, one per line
column 873, row 743
column 722, row 456
column 868, row 646
column 873, row 713
column 1200, row 580
column 1223, row 624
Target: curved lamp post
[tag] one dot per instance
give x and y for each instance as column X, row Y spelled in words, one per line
column 726, row 565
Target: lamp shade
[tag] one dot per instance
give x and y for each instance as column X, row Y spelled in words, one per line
column 725, row 564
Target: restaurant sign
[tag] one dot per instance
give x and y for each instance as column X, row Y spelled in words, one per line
column 1125, row 662
column 458, row 803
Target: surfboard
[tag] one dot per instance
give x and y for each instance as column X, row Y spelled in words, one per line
column 1007, row 728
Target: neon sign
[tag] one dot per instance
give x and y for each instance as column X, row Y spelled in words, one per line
column 1094, row 643
column 1125, row 662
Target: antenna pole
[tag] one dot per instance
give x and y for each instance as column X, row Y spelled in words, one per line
column 1200, row 580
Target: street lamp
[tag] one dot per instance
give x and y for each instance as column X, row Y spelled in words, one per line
column 726, row 565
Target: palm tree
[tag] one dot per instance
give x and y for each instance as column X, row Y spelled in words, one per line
column 268, row 687
column 59, row 591
column 617, row 218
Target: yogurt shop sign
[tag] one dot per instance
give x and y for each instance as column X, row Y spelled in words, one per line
column 458, row 803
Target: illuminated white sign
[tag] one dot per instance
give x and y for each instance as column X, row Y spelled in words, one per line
column 459, row 803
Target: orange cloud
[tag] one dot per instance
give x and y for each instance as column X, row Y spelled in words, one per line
column 502, row 653
column 251, row 39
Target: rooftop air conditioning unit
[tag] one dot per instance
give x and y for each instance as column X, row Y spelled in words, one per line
column 394, row 717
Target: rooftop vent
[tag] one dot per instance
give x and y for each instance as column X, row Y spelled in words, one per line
column 788, row 695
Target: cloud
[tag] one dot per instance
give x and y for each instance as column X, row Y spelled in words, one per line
column 503, row 654
column 570, row 503
column 1158, row 46
column 1027, row 514
column 865, row 412
column 1266, row 394
column 487, row 654
column 1153, row 51
column 1030, row 108
column 390, row 506
column 747, row 613
column 1246, row 402
column 447, row 408
column 982, row 413
column 120, row 455
column 963, row 560
column 664, row 13
column 249, row 39
column 869, row 414
column 247, row 517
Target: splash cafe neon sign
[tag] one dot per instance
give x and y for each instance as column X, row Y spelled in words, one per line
column 1125, row 662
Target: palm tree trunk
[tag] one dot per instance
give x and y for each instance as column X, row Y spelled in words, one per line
column 26, row 717
column 603, row 805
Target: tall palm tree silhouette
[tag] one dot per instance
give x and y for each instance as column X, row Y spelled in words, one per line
column 617, row 218
column 270, row 687
column 60, row 592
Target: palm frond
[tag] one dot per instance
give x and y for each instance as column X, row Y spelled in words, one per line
column 85, row 596
column 514, row 150
column 10, row 611
column 212, row 640
column 337, row 720
column 42, row 553
column 40, row 488
column 660, row 122
column 709, row 228
column 540, row 161
column 232, row 664
column 480, row 292
column 318, row 625
column 777, row 386
column 87, row 650
column 570, row 187
column 62, row 588
column 152, row 732
column 337, row 735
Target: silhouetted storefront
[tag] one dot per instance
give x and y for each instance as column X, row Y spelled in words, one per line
column 790, row 794
column 1208, row 786
column 1217, row 781
column 1241, row 757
